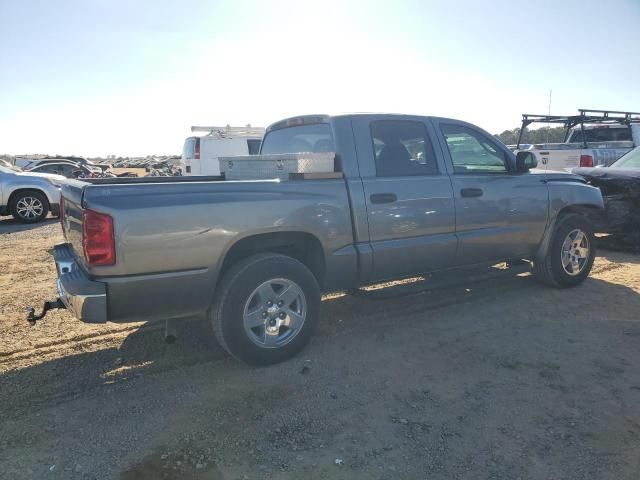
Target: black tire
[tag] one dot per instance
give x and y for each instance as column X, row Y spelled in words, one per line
column 31, row 197
column 550, row 270
column 236, row 289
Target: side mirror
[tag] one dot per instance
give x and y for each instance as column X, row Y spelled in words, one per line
column 525, row 161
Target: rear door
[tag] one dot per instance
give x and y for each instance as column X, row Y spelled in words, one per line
column 214, row 148
column 190, row 151
column 500, row 214
column 408, row 194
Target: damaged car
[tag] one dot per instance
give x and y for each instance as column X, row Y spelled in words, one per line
column 620, row 186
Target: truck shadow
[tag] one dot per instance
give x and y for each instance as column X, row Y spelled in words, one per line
column 143, row 353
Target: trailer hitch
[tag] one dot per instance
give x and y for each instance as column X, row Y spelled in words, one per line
column 32, row 318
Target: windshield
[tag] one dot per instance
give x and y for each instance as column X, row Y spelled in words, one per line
column 629, row 160
column 189, row 148
column 303, row 138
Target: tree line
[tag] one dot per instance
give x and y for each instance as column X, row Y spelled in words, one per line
column 539, row 135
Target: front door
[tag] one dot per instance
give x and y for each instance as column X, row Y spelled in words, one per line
column 410, row 208
column 500, row 214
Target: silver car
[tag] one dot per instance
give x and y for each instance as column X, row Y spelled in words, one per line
column 28, row 196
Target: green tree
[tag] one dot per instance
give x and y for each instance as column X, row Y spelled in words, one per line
column 538, row 135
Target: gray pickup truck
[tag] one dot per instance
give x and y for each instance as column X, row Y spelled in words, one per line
column 416, row 195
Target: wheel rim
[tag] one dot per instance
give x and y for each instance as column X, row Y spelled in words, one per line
column 275, row 313
column 29, row 208
column 575, row 252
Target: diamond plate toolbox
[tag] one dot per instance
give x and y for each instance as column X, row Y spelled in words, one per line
column 279, row 165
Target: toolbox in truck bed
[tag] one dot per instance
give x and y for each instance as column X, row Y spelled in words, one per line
column 280, row 165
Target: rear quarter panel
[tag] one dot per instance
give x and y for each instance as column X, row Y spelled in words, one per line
column 171, row 239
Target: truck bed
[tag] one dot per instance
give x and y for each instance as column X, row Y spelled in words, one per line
column 172, row 233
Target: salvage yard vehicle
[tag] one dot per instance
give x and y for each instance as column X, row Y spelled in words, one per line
column 620, row 186
column 27, row 163
column 594, row 138
column 408, row 195
column 200, row 154
column 66, row 169
column 27, row 196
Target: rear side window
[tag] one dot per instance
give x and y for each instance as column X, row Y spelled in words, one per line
column 402, row 148
column 602, row 134
column 302, row 138
column 472, row 152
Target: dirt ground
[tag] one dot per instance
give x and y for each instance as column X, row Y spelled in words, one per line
column 500, row 380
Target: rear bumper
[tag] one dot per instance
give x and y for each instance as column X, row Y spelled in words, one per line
column 85, row 298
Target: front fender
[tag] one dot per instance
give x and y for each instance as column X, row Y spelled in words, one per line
column 570, row 197
column 51, row 191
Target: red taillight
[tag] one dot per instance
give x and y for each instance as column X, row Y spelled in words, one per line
column 97, row 239
column 196, row 149
column 586, row 161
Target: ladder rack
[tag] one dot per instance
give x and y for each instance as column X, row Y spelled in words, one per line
column 229, row 131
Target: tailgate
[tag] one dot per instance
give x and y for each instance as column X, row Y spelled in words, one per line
column 71, row 215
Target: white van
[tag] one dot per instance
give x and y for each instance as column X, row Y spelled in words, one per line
column 200, row 154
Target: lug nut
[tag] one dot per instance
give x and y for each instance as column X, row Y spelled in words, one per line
column 269, row 303
column 272, row 322
column 280, row 303
column 264, row 314
column 282, row 315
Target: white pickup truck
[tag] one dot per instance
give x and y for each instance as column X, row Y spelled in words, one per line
column 591, row 140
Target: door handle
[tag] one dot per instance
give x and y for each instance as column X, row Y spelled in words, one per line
column 383, row 197
column 471, row 192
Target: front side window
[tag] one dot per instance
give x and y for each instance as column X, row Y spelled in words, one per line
column 67, row 170
column 46, row 169
column 472, row 152
column 402, row 148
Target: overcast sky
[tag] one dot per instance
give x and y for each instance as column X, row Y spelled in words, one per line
column 98, row 77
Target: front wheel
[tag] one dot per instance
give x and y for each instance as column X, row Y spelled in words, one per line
column 570, row 255
column 266, row 309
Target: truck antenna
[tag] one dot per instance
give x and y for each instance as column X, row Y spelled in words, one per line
column 550, row 93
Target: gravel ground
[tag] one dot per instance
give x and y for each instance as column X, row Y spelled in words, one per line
column 501, row 380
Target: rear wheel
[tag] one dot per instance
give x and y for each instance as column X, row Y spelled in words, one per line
column 570, row 254
column 266, row 309
column 29, row 206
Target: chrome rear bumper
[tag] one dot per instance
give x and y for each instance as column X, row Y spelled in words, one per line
column 84, row 297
